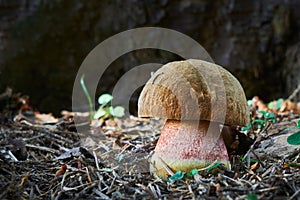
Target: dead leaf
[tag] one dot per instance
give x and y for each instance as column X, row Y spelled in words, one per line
column 45, row 118
column 24, row 179
column 254, row 166
column 289, row 106
column 258, row 103
column 62, row 170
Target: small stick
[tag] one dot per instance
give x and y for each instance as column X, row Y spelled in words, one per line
column 42, row 148
column 165, row 165
column 295, row 92
column 294, row 195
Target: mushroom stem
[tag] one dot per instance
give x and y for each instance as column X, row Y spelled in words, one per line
column 186, row 145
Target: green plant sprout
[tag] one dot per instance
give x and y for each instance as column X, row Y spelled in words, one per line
column 275, row 104
column 267, row 117
column 104, row 111
column 180, row 175
column 86, row 92
column 294, row 139
column 177, row 176
column 251, row 197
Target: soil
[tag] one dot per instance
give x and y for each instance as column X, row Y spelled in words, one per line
column 109, row 160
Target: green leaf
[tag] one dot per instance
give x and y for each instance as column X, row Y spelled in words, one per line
column 293, row 164
column 100, row 113
column 269, row 115
column 177, row 176
column 214, row 166
column 245, row 128
column 259, row 121
column 275, row 104
column 298, row 125
column 104, row 99
column 251, row 197
column 279, row 103
column 193, row 172
column 262, row 111
column 249, row 102
column 294, row 139
column 118, row 111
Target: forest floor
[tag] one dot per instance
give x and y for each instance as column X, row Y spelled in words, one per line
column 110, row 161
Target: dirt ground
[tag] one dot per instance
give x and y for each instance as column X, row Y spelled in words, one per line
column 110, row 161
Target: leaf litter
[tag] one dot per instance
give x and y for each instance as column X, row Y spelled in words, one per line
column 110, row 161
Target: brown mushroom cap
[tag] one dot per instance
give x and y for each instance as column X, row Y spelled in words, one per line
column 194, row 90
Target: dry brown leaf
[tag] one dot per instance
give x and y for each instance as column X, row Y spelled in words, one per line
column 258, row 103
column 289, row 106
column 62, row 170
column 24, row 179
column 254, row 166
column 45, row 118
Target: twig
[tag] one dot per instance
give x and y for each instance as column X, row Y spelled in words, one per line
column 295, row 92
column 258, row 139
column 268, row 189
column 167, row 168
column 96, row 160
column 231, row 179
column 209, row 166
column 294, row 195
column 256, row 156
column 42, row 148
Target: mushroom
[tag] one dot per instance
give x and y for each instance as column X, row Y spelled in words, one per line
column 195, row 97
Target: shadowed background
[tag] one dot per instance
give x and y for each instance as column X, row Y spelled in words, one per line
column 43, row 43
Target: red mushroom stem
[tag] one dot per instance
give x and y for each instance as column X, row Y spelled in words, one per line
column 186, row 145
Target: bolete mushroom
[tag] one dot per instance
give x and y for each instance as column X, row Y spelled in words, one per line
column 194, row 97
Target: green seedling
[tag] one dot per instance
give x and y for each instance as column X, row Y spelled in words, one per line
column 104, row 111
column 294, row 139
column 86, row 92
column 177, row 176
column 251, row 197
column 215, row 165
column 193, row 172
column 275, row 104
column 267, row 117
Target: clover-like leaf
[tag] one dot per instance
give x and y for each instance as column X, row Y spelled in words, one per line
column 117, row 111
column 193, row 172
column 294, row 139
column 245, row 128
column 275, row 104
column 251, row 197
column 177, row 176
column 249, row 102
column 269, row 115
column 99, row 113
column 104, row 99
